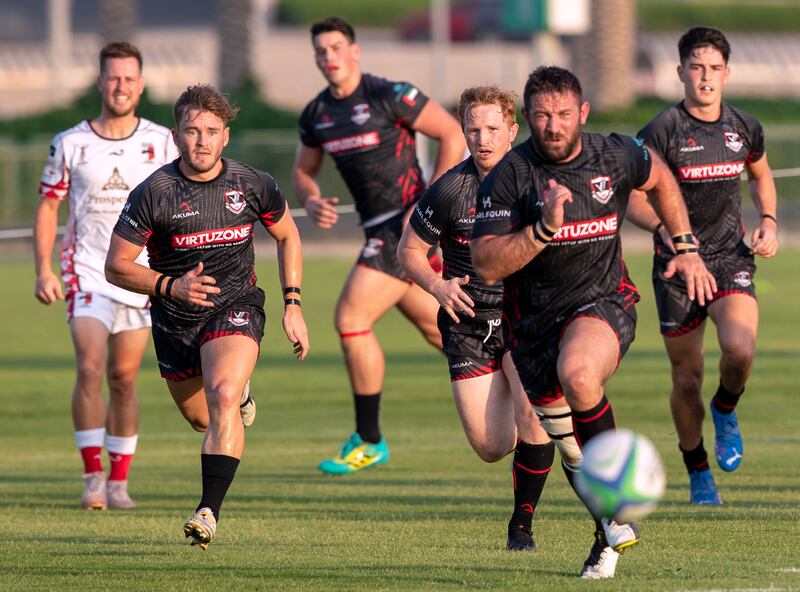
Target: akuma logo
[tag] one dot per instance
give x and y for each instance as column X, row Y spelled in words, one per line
column 691, row 145
column 186, row 211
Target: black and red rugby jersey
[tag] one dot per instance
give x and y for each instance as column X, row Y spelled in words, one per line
column 183, row 222
column 584, row 262
column 369, row 136
column 445, row 214
column 708, row 158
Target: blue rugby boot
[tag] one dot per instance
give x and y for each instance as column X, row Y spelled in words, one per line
column 703, row 490
column 728, row 446
column 356, row 455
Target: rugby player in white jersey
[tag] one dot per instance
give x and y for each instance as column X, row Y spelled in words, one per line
column 94, row 165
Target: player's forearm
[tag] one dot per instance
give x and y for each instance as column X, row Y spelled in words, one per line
column 450, row 152
column 305, row 186
column 416, row 264
column 133, row 277
column 670, row 207
column 764, row 194
column 290, row 262
column 45, row 227
column 641, row 213
column 497, row 257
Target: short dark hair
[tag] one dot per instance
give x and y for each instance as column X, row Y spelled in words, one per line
column 119, row 49
column 697, row 37
column 551, row 79
column 333, row 23
column 204, row 97
column 488, row 95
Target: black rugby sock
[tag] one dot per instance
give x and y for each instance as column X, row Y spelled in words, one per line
column 532, row 464
column 218, row 472
column 587, row 424
column 368, row 409
column 571, row 475
column 725, row 401
column 696, row 459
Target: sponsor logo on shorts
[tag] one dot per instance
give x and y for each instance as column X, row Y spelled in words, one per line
column 601, row 188
column 234, row 201
column 742, row 278
column 354, row 142
column 239, row 318
column 733, row 141
column 372, row 248
column 722, row 170
column 212, row 237
column 360, row 114
column 587, row 229
column 463, row 364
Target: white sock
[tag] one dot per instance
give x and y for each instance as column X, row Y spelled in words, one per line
column 87, row 438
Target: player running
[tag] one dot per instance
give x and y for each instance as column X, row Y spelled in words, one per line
column 196, row 216
column 547, row 223
column 94, row 165
column 494, row 410
column 707, row 143
column 367, row 125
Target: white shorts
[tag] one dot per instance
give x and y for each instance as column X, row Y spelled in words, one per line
column 117, row 317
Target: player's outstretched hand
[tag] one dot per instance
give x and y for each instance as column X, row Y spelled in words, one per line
column 765, row 239
column 294, row 325
column 554, row 198
column 48, row 289
column 322, row 211
column 700, row 283
column 194, row 288
column 452, row 298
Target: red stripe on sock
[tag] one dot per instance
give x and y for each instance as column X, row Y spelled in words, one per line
column 350, row 334
column 593, row 417
column 533, row 471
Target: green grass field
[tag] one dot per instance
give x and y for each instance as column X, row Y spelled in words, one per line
column 434, row 518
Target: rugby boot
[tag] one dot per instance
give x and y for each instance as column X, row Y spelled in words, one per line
column 247, row 406
column 117, row 493
column 520, row 538
column 728, row 446
column 94, row 491
column 602, row 560
column 201, row 528
column 619, row 536
column 703, row 490
column 356, row 455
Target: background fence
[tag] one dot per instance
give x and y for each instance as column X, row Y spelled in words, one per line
column 21, row 166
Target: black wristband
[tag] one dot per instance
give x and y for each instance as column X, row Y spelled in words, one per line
column 159, row 283
column 168, row 290
column 770, row 216
column 288, row 301
column 545, row 231
column 537, row 236
column 657, row 228
column 291, row 290
column 684, row 250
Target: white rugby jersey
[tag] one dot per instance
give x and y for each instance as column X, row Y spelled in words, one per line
column 96, row 174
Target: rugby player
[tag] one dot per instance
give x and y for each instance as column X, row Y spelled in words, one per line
column 367, row 125
column 547, row 223
column 493, row 408
column 94, row 165
column 707, row 144
column 196, row 217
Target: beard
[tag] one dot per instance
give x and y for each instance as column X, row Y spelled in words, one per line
column 119, row 110
column 552, row 152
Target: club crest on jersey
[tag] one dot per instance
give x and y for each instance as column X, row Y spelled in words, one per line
column 360, row 114
column 372, row 248
column 742, row 278
column 234, row 201
column 149, row 152
column 601, row 189
column 239, row 318
column 732, row 141
column 115, row 181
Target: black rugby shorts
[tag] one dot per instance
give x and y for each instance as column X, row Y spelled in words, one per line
column 473, row 347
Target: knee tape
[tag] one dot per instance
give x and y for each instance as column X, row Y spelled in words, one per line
column 356, row 333
column 557, row 422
